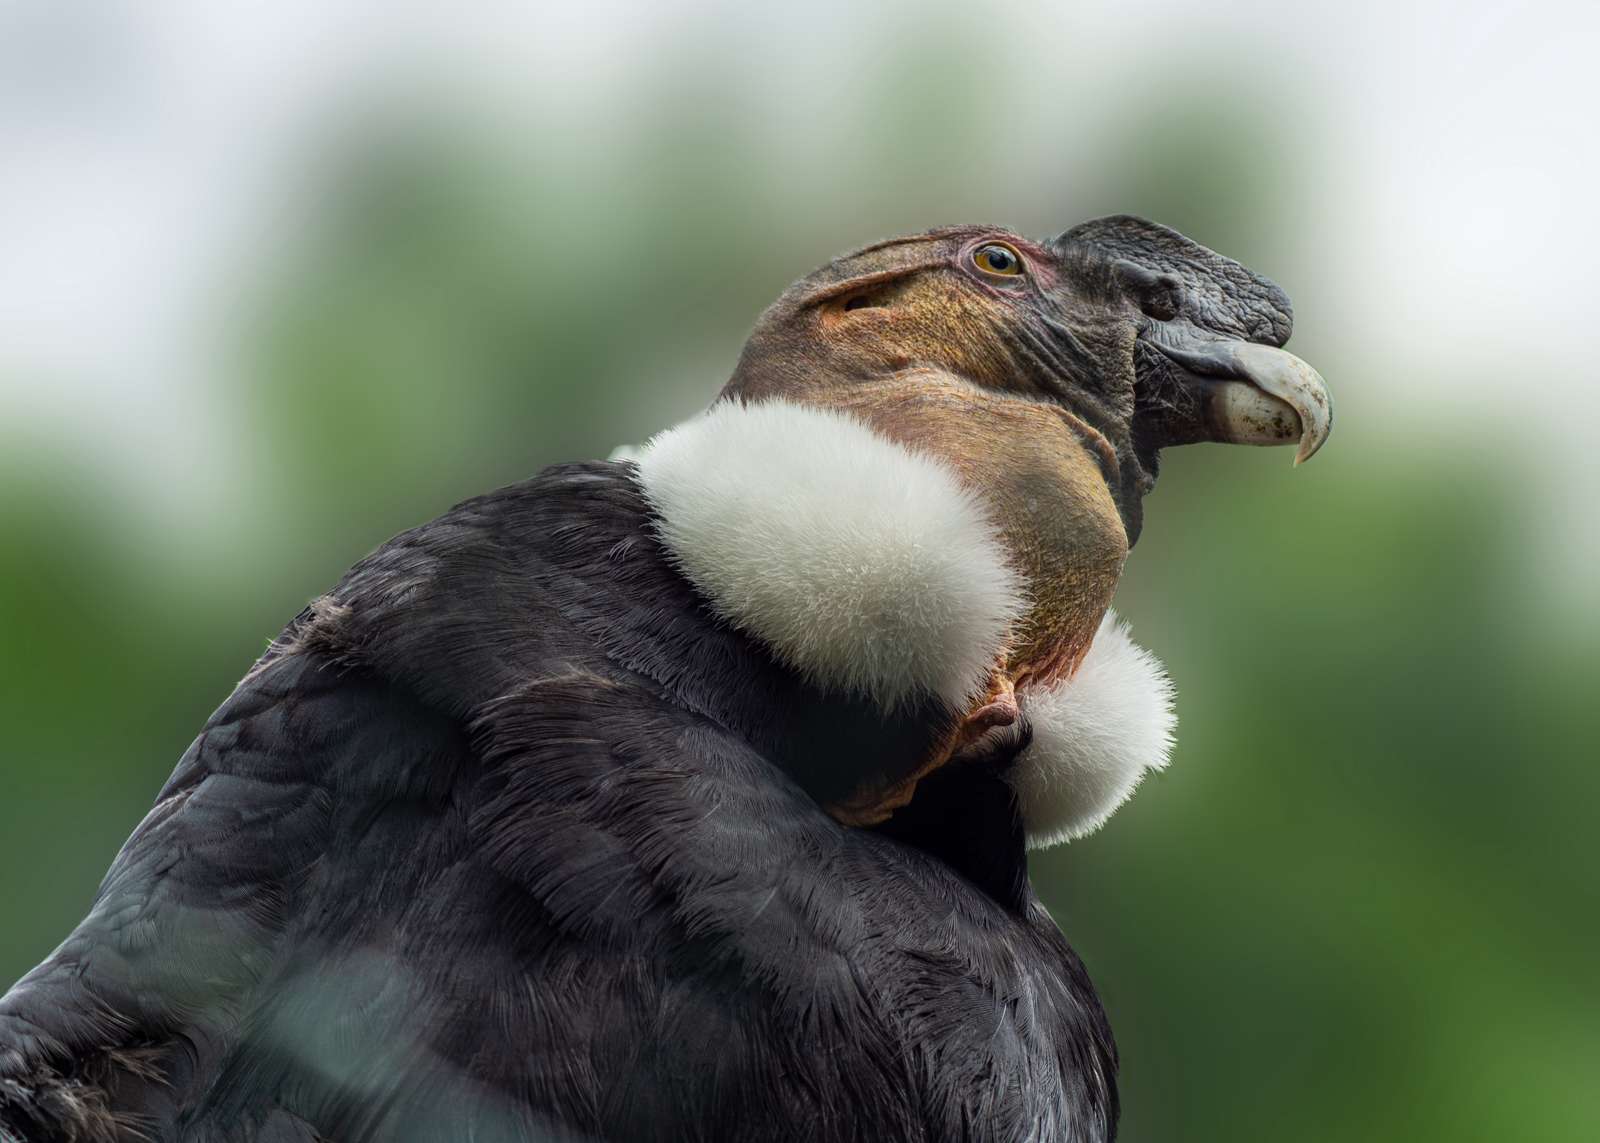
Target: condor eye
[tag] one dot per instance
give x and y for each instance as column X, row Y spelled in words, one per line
column 997, row 259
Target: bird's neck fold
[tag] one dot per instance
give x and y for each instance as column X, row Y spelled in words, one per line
column 875, row 591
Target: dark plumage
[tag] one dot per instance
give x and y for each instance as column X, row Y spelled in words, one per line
column 492, row 840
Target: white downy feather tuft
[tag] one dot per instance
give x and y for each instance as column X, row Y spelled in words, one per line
column 863, row 564
column 1095, row 736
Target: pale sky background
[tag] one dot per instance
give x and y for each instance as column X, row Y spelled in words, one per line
column 150, row 152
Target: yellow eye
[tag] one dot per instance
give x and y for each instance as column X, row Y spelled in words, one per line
column 997, row 259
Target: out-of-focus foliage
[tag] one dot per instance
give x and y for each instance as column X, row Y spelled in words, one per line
column 1363, row 902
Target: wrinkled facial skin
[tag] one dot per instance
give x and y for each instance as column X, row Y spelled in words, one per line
column 1051, row 388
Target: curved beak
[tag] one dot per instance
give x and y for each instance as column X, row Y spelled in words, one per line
column 1252, row 393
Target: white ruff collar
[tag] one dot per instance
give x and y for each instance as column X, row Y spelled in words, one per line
column 868, row 568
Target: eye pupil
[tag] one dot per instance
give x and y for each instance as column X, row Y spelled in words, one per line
column 997, row 260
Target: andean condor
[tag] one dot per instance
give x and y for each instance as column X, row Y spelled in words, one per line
column 687, row 796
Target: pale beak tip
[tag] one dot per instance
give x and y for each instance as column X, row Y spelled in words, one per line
column 1310, row 445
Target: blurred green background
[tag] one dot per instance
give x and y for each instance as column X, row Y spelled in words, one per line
column 281, row 285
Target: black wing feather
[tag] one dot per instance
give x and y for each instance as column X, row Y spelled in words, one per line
column 505, row 839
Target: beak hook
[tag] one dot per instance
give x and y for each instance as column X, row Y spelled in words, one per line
column 1256, row 382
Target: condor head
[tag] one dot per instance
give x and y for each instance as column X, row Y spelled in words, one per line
column 1041, row 379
